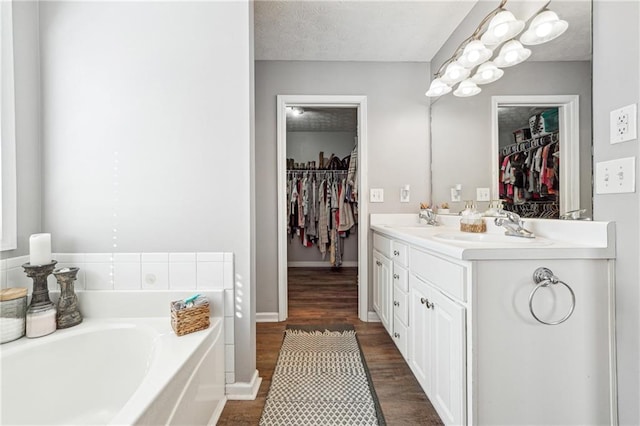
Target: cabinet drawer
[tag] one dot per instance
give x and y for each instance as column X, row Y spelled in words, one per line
column 445, row 275
column 401, row 278
column 400, row 253
column 401, row 305
column 382, row 244
column 400, row 337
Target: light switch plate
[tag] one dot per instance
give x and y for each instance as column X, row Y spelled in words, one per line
column 483, row 194
column 616, row 176
column 405, row 193
column 623, row 124
column 376, row 195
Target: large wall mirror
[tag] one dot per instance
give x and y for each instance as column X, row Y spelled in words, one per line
column 536, row 154
column 465, row 132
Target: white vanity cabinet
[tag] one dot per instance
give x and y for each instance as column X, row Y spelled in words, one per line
column 437, row 338
column 382, row 289
column 400, row 296
column 391, row 288
column 463, row 320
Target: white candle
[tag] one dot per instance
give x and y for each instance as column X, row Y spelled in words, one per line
column 40, row 249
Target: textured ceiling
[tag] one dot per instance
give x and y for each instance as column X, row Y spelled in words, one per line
column 354, row 30
column 517, row 117
column 388, row 30
column 323, row 120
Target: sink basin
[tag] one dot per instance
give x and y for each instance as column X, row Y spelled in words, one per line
column 490, row 239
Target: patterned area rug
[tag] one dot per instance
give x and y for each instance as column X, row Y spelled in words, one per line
column 321, row 378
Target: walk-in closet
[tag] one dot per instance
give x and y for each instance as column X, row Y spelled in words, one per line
column 322, row 191
column 529, row 160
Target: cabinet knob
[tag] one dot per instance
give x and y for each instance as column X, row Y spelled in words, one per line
column 423, row 300
column 396, row 335
column 396, row 276
column 396, row 253
column 378, row 263
column 430, row 305
column 396, row 303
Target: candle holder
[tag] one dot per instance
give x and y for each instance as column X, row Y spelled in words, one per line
column 41, row 311
column 68, row 314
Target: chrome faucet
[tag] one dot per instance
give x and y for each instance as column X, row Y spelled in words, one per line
column 513, row 224
column 429, row 216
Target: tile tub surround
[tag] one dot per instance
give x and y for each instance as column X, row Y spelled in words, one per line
column 147, row 276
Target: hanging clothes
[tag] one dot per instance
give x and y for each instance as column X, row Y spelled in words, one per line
column 321, row 209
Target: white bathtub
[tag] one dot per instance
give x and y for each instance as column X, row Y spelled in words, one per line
column 114, row 371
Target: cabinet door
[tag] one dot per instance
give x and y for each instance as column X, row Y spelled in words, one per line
column 420, row 339
column 448, row 394
column 382, row 292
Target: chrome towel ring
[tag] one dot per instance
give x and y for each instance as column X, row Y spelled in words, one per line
column 542, row 277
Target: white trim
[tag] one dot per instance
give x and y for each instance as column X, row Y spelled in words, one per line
column 8, row 179
column 613, row 366
column 569, row 118
column 338, row 101
column 372, row 316
column 267, row 317
column 320, row 264
column 244, row 391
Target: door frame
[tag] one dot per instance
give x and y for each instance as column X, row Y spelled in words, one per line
column 569, row 132
column 335, row 101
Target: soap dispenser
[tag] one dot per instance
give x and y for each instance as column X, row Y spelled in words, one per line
column 472, row 220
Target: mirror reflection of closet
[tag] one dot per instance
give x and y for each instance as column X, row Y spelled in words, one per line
column 320, row 145
column 529, row 160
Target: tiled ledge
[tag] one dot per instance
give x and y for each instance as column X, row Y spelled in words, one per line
column 133, row 271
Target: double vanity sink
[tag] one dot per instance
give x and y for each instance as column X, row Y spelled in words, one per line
column 487, row 343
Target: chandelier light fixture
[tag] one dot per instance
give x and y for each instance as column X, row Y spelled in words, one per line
column 499, row 29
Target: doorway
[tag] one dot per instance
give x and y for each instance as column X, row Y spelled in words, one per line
column 565, row 133
column 285, row 164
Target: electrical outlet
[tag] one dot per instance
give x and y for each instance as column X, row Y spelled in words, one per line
column 623, row 124
column 483, row 194
column 616, row 176
column 376, row 195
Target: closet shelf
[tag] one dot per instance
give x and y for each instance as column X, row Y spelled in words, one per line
column 530, row 143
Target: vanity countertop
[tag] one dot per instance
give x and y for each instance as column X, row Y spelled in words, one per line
column 555, row 239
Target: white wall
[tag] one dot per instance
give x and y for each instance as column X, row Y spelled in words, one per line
column 147, row 134
column 614, row 21
column 27, row 108
column 398, row 135
column 305, row 146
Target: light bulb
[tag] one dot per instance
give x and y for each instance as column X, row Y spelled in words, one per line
column 500, row 30
column 543, row 30
column 511, row 56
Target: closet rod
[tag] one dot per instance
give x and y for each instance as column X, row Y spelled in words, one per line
column 316, row 171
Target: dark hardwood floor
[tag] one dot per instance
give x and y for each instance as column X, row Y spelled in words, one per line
column 330, row 296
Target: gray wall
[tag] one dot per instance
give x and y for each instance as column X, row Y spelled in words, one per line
column 147, row 134
column 612, row 89
column 28, row 152
column 461, row 127
column 398, row 141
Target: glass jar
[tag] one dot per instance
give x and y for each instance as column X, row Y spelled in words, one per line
column 41, row 320
column 13, row 309
column 472, row 220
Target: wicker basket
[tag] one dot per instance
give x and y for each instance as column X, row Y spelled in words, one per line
column 188, row 320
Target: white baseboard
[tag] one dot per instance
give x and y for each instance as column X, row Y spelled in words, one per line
column 267, row 317
column 320, row 264
column 244, row 391
column 373, row 317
